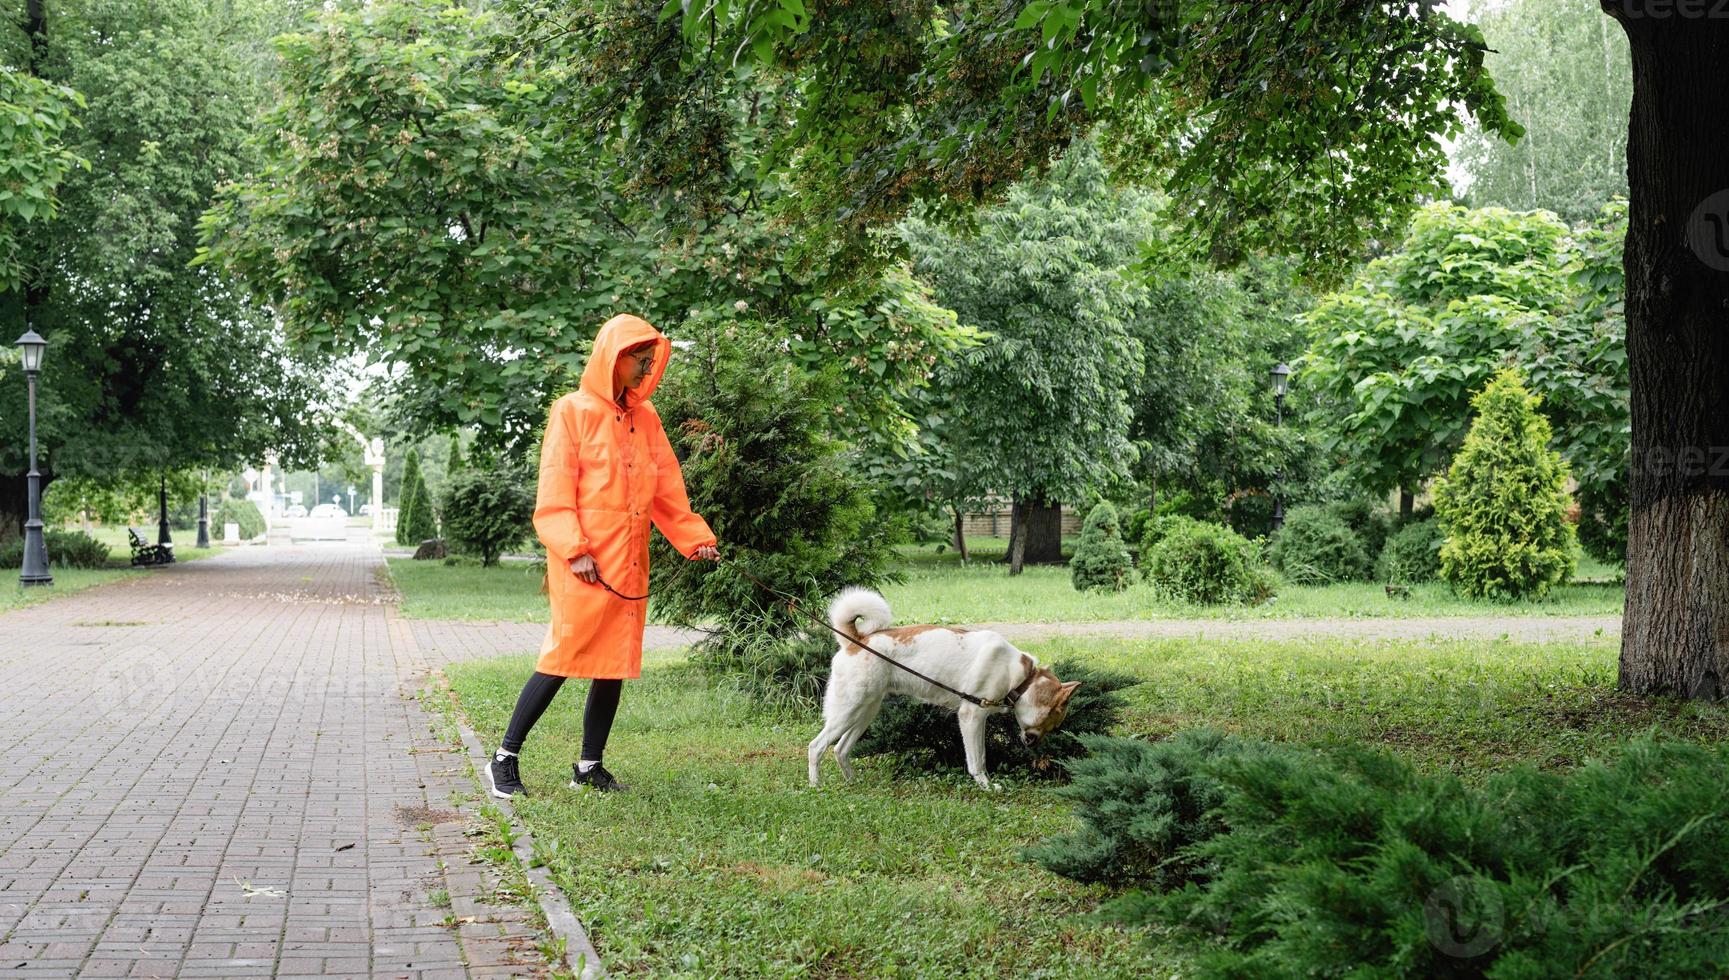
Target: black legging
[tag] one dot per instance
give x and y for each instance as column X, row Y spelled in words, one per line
column 597, row 713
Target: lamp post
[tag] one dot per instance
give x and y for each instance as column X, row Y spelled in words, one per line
column 204, row 511
column 1281, row 382
column 35, row 566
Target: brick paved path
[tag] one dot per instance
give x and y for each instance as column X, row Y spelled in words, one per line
column 218, row 769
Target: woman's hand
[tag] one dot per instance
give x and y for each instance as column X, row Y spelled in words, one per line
column 707, row 552
column 583, row 567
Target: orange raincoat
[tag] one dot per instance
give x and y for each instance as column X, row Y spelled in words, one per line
column 606, row 471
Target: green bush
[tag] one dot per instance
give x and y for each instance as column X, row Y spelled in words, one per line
column 1141, row 805
column 237, row 511
column 1504, row 501
column 1154, row 530
column 66, row 549
column 1296, row 862
column 921, row 737
column 1413, row 554
column 415, row 520
column 488, row 512
column 1101, row 560
column 1207, row 564
column 1316, row 547
column 751, row 429
column 1368, row 520
column 1135, row 526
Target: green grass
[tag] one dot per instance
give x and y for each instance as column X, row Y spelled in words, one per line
column 66, row 582
column 721, row 861
column 936, row 590
column 433, row 590
column 70, row 580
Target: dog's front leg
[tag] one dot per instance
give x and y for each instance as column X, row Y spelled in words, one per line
column 973, row 722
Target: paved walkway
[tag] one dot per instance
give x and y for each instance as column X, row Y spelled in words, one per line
column 218, row 769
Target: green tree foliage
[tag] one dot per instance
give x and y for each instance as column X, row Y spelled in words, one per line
column 1564, row 70
column 1395, row 359
column 1276, row 858
column 488, row 511
column 751, row 430
column 151, row 365
column 1504, row 501
column 1220, row 101
column 1207, row 564
column 412, row 528
column 1040, row 411
column 35, row 115
column 433, row 192
column 1101, row 559
column 1316, row 547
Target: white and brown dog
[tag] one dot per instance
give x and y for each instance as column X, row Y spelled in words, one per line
column 979, row 662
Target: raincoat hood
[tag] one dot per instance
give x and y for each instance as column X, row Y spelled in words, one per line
column 616, row 336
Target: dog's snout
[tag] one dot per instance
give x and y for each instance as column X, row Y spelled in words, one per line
column 1029, row 739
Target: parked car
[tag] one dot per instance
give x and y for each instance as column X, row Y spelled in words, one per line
column 328, row 510
column 365, row 510
column 294, row 510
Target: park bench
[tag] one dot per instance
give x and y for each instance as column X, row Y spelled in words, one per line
column 145, row 553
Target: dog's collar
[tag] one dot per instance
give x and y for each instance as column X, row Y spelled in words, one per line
column 1008, row 700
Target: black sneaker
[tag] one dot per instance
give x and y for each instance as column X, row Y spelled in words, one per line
column 502, row 775
column 596, row 778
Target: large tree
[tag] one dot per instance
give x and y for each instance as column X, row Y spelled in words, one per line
column 151, row 366
column 1041, row 411
column 1314, row 126
column 1563, row 68
column 1675, row 634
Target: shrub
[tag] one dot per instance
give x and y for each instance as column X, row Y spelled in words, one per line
column 1289, row 857
column 237, row 511
column 1141, row 805
column 488, row 511
column 415, row 521
column 1504, row 501
column 1156, row 528
column 66, row 549
column 1370, row 522
column 1135, row 526
column 1206, row 564
column 1413, row 554
column 1101, row 560
column 752, row 431
column 921, row 737
column 1316, row 547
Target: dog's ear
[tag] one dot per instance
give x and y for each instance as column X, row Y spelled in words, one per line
column 1068, row 689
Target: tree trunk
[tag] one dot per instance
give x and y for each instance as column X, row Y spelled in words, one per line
column 1675, row 633
column 1407, row 504
column 1043, row 523
column 1017, row 537
column 960, row 533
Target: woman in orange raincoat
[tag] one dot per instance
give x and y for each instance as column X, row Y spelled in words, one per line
column 606, row 472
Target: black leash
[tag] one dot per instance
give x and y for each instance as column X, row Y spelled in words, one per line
column 793, row 605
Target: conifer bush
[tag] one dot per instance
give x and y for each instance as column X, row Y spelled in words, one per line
column 751, row 429
column 1504, row 501
column 1317, row 547
column 1346, row 861
column 488, row 512
column 1413, row 554
column 922, row 738
column 241, row 512
column 415, row 519
column 1208, row 564
column 1101, row 560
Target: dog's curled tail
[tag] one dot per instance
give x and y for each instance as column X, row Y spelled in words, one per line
column 857, row 612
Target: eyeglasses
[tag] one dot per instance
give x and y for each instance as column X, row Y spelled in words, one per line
column 645, row 361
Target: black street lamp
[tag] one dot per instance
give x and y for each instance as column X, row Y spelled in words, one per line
column 1281, row 383
column 203, row 511
column 162, row 535
column 35, row 567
